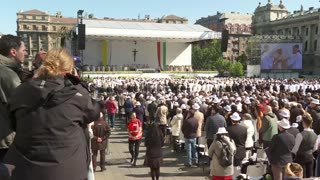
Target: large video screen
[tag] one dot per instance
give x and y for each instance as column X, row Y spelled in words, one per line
column 281, row 56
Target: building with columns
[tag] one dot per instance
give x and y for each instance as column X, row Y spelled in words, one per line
column 275, row 19
column 239, row 27
column 42, row 31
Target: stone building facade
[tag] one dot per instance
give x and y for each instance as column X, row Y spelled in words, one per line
column 239, row 27
column 42, row 31
column 275, row 19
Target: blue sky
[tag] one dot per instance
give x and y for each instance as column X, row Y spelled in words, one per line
column 191, row 9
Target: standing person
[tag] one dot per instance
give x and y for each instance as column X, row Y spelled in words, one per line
column 139, row 110
column 12, row 53
column 128, row 107
column 247, row 123
column 305, row 145
column 279, row 151
column 269, row 127
column 122, row 99
column 152, row 108
column 213, row 123
column 154, row 145
column 112, row 107
column 51, row 123
column 101, row 132
column 189, row 129
column 161, row 114
column 134, row 127
column 200, row 118
column 218, row 171
column 176, row 127
column 238, row 134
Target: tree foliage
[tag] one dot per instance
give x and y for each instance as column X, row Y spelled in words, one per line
column 205, row 58
column 236, row 69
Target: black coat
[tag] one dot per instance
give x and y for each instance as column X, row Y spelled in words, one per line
column 102, row 130
column 279, row 151
column 239, row 135
column 51, row 118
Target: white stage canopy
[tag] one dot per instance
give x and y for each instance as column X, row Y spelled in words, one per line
column 106, row 29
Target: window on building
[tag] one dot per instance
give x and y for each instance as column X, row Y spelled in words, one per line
column 25, row 27
column 181, row 22
column 298, row 32
column 24, row 17
column 34, row 17
column 307, row 31
column 317, row 29
column 315, row 45
column 54, row 28
column 306, row 46
column 43, row 27
column 43, row 18
column 34, row 27
column 167, row 21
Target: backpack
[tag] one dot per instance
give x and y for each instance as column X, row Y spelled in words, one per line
column 226, row 158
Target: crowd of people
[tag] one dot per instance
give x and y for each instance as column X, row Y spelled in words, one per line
column 51, row 120
column 280, row 116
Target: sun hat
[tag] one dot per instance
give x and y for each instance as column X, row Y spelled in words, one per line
column 222, row 130
column 284, row 123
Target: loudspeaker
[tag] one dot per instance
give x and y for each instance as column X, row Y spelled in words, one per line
column 224, row 40
column 81, row 36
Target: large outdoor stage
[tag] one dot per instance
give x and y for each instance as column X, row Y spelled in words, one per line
column 138, row 45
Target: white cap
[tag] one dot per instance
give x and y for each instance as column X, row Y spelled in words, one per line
column 222, row 130
column 183, row 106
column 238, row 99
column 284, row 114
column 176, row 104
column 299, row 118
column 152, row 98
column 294, row 125
column 196, row 106
column 227, row 108
column 216, row 100
column 284, row 123
column 138, row 103
column 247, row 101
column 235, row 117
column 315, row 101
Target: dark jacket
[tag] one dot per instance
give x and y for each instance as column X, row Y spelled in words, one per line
column 9, row 80
column 51, row 130
column 153, row 143
column 238, row 134
column 293, row 131
column 279, row 151
column 102, row 130
column 189, row 128
column 4, row 173
column 213, row 123
column 315, row 113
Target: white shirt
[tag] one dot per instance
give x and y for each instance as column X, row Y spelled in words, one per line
column 298, row 141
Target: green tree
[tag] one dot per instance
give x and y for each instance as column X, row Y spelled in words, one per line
column 205, row 58
column 222, row 65
column 236, row 69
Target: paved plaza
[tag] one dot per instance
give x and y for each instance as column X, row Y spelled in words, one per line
column 119, row 167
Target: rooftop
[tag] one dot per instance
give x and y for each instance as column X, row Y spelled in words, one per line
column 33, row 11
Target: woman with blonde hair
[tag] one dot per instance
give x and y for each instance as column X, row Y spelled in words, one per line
column 50, row 114
column 293, row 171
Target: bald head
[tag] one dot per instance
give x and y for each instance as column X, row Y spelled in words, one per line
column 267, row 109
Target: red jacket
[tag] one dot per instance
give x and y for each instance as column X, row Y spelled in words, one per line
column 111, row 107
column 134, row 127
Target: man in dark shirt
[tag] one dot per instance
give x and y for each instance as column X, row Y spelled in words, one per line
column 239, row 135
column 189, row 129
column 213, row 123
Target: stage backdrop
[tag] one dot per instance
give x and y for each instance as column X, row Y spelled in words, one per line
column 281, row 56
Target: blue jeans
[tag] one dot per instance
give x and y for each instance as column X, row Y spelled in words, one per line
column 111, row 118
column 191, row 151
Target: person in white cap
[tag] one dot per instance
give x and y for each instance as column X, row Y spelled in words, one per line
column 217, row 171
column 161, row 118
column 247, row 122
column 199, row 117
column 314, row 111
column 279, row 151
column 152, row 108
column 238, row 134
column 176, row 127
column 304, row 146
